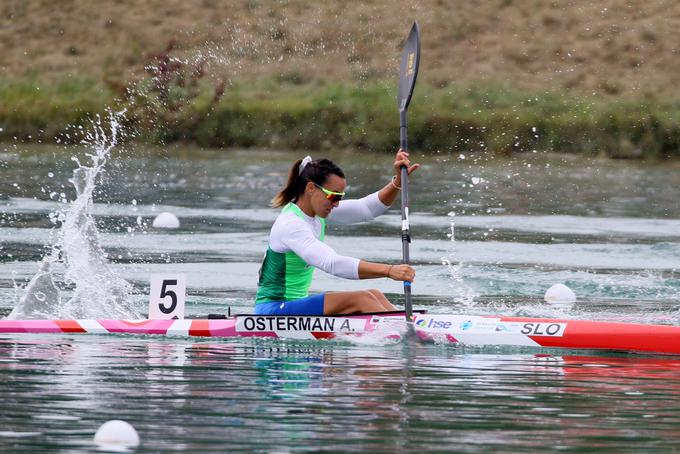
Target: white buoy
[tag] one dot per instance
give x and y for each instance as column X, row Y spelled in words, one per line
column 559, row 293
column 166, row 220
column 116, row 432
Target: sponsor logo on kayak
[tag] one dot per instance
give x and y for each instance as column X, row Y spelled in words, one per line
column 433, row 323
column 489, row 325
column 389, row 320
column 543, row 329
column 479, row 325
column 256, row 323
column 510, row 327
column 458, row 324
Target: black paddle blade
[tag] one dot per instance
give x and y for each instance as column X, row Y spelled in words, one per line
column 410, row 60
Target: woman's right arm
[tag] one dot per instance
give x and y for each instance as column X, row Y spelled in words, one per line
column 298, row 237
column 371, row 270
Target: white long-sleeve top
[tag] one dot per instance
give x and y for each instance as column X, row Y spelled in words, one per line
column 300, row 235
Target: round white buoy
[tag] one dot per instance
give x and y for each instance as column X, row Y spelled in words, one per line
column 116, row 432
column 166, row 220
column 559, row 293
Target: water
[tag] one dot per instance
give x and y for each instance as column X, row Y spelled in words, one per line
column 96, row 291
column 263, row 396
column 489, row 237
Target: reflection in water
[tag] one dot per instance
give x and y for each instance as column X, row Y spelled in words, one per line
column 185, row 394
column 285, row 376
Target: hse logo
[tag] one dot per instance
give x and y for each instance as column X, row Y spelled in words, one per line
column 431, row 323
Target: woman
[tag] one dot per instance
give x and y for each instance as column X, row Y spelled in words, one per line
column 311, row 197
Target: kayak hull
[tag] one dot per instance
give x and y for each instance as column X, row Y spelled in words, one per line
column 551, row 333
column 456, row 329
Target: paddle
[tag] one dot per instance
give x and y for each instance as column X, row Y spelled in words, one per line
column 408, row 71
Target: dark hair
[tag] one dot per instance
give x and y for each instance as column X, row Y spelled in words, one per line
column 316, row 171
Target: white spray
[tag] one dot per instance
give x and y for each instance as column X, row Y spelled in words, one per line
column 462, row 292
column 93, row 289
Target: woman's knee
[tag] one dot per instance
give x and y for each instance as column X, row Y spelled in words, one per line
column 371, row 300
column 382, row 299
column 378, row 295
column 375, row 293
column 366, row 300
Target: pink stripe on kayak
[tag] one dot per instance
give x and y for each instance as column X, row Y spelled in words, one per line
column 137, row 327
column 31, row 326
column 219, row 328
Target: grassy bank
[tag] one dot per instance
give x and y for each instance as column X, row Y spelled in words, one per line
column 502, row 75
column 446, row 120
column 34, row 110
column 282, row 114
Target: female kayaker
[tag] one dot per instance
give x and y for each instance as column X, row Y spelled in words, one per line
column 312, row 196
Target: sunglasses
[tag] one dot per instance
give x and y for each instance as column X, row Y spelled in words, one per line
column 331, row 196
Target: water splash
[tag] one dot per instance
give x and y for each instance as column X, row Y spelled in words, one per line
column 88, row 287
column 463, row 293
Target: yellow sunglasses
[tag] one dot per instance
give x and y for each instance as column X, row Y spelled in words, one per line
column 331, row 196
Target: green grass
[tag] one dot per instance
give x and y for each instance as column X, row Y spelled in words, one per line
column 287, row 114
column 472, row 120
column 33, row 110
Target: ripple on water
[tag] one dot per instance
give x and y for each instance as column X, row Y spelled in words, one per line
column 252, row 395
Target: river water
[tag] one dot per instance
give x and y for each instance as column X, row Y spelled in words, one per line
column 489, row 237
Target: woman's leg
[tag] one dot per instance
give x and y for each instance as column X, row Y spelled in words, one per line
column 380, row 296
column 356, row 302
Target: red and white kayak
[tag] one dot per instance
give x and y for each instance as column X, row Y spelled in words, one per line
column 455, row 329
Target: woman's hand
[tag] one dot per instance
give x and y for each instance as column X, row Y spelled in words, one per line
column 391, row 190
column 401, row 273
column 401, row 159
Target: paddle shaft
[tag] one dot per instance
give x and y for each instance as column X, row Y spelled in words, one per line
column 405, row 228
column 408, row 71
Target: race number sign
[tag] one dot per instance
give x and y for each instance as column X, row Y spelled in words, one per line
column 166, row 296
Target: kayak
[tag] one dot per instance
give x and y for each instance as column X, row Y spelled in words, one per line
column 441, row 328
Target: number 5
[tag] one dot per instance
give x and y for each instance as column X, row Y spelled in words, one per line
column 165, row 292
column 166, row 296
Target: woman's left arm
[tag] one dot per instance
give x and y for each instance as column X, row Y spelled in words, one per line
column 390, row 191
column 374, row 204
